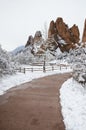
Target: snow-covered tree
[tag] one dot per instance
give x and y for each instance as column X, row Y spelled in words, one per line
column 6, row 66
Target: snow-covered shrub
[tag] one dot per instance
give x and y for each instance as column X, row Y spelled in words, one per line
column 6, row 66
column 78, row 59
column 77, row 55
column 79, row 72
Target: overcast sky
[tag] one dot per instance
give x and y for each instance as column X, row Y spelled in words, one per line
column 21, row 18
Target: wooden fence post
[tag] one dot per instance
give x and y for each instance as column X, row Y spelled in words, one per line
column 60, row 67
column 44, row 69
column 19, row 69
column 24, row 70
column 32, row 69
column 52, row 68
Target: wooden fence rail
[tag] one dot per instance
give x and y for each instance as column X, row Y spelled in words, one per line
column 42, row 68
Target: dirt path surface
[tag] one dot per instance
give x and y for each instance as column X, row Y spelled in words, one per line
column 33, row 106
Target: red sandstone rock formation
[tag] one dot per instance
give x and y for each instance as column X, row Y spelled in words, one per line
column 70, row 35
column 74, row 34
column 63, row 32
column 52, row 29
column 59, row 35
column 35, row 42
column 84, row 33
column 38, row 36
column 30, row 41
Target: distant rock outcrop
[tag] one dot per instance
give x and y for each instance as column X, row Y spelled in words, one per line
column 32, row 40
column 35, row 42
column 84, row 33
column 17, row 50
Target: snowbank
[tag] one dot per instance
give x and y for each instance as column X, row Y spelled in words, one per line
column 73, row 102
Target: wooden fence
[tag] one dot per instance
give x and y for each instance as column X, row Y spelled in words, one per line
column 43, row 68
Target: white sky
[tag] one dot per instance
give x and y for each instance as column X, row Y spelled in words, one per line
column 21, row 18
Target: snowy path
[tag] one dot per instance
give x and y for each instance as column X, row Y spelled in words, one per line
column 34, row 106
column 15, row 80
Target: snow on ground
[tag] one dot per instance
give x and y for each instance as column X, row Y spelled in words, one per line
column 19, row 78
column 73, row 102
column 58, row 62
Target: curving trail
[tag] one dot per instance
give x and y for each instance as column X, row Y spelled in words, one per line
column 33, row 106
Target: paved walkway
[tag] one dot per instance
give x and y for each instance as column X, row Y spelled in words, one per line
column 33, row 106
